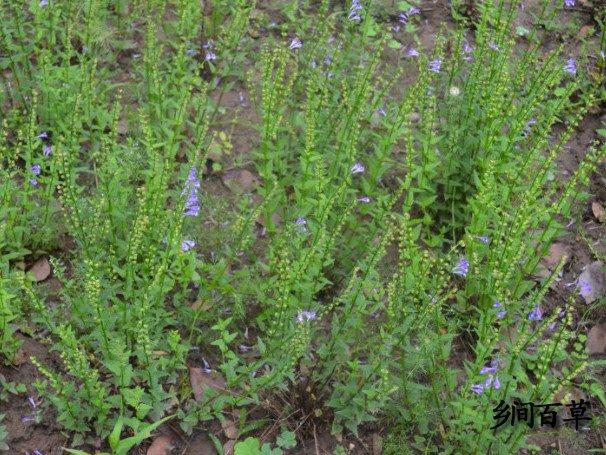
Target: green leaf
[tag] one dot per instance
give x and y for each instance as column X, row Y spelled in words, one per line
column 126, row 444
column 250, row 446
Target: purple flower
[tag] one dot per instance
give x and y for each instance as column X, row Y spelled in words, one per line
column 304, row 316
column 381, row 112
column 571, row 66
column 486, row 370
column 187, row 245
column 209, row 45
column 295, row 44
column 477, row 388
column 43, row 135
column 300, row 225
column 462, row 267
column 210, row 55
column 482, row 238
column 47, row 150
column 26, row 419
column 494, row 47
column 33, row 182
column 206, row 366
column 357, row 168
column 192, row 205
column 492, row 381
column 43, row 3
column 354, row 11
column 36, row 169
column 535, row 314
column 584, row 288
column 435, row 65
column 326, row 61
column 501, row 314
column 412, row 52
column 413, row 11
column 403, row 18
column 569, row 3
column 32, row 402
column 467, row 49
column 364, row 199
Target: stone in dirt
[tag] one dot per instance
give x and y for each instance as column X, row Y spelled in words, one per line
column 41, row 269
column 596, row 340
column 593, row 282
column 161, row 445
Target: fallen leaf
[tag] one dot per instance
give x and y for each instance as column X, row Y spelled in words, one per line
column 585, row 30
column 596, row 339
column 160, row 446
column 41, row 269
column 199, row 381
column 592, row 282
column 240, row 180
column 557, row 251
column 228, row 447
column 201, row 305
column 20, row 357
column 598, row 211
column 229, row 428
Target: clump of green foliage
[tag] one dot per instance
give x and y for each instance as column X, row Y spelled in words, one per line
column 399, row 222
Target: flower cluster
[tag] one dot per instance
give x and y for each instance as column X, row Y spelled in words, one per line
column 535, row 314
column 492, row 381
column 462, row 267
column 295, row 44
column 403, row 17
column 571, row 66
column 357, row 168
column 500, row 313
column 35, row 170
column 435, row 65
column 192, row 205
column 304, row 316
column 354, row 11
column 209, row 54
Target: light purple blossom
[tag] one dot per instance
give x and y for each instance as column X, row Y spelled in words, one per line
column 33, row 182
column 403, row 18
column 500, row 314
column 209, row 45
column 47, row 150
column 36, row 169
column 381, row 112
column 462, row 267
column 486, row 370
column 304, row 316
column 412, row 52
column 43, row 3
column 354, row 11
column 535, row 314
column 413, row 11
column 364, row 199
column 571, row 66
column 477, row 388
column 192, row 205
column 357, row 168
column 569, row 3
column 209, row 56
column 295, row 44
column 492, row 381
column 206, row 366
column 43, row 135
column 494, row 47
column 187, row 245
column 32, row 402
column 300, row 223
column 484, row 239
column 584, row 288
column 435, row 65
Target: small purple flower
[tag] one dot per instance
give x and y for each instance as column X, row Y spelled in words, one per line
column 501, row 314
column 484, row 239
column 47, row 150
column 300, row 224
column 381, row 112
column 36, row 169
column 477, row 388
column 326, row 61
column 412, row 52
column 364, row 199
column 584, row 288
column 462, row 267
column 492, row 381
column 43, row 135
column 43, row 3
column 32, row 402
column 295, row 44
column 209, row 56
column 435, row 65
column 494, row 47
column 187, row 245
column 571, row 66
column 569, row 3
column 413, row 11
column 552, row 326
column 535, row 314
column 467, row 49
column 357, row 168
column 396, row 28
column 403, row 18
column 26, row 419
column 486, row 370
column 354, row 11
column 209, row 45
column 33, row 182
column 304, row 316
